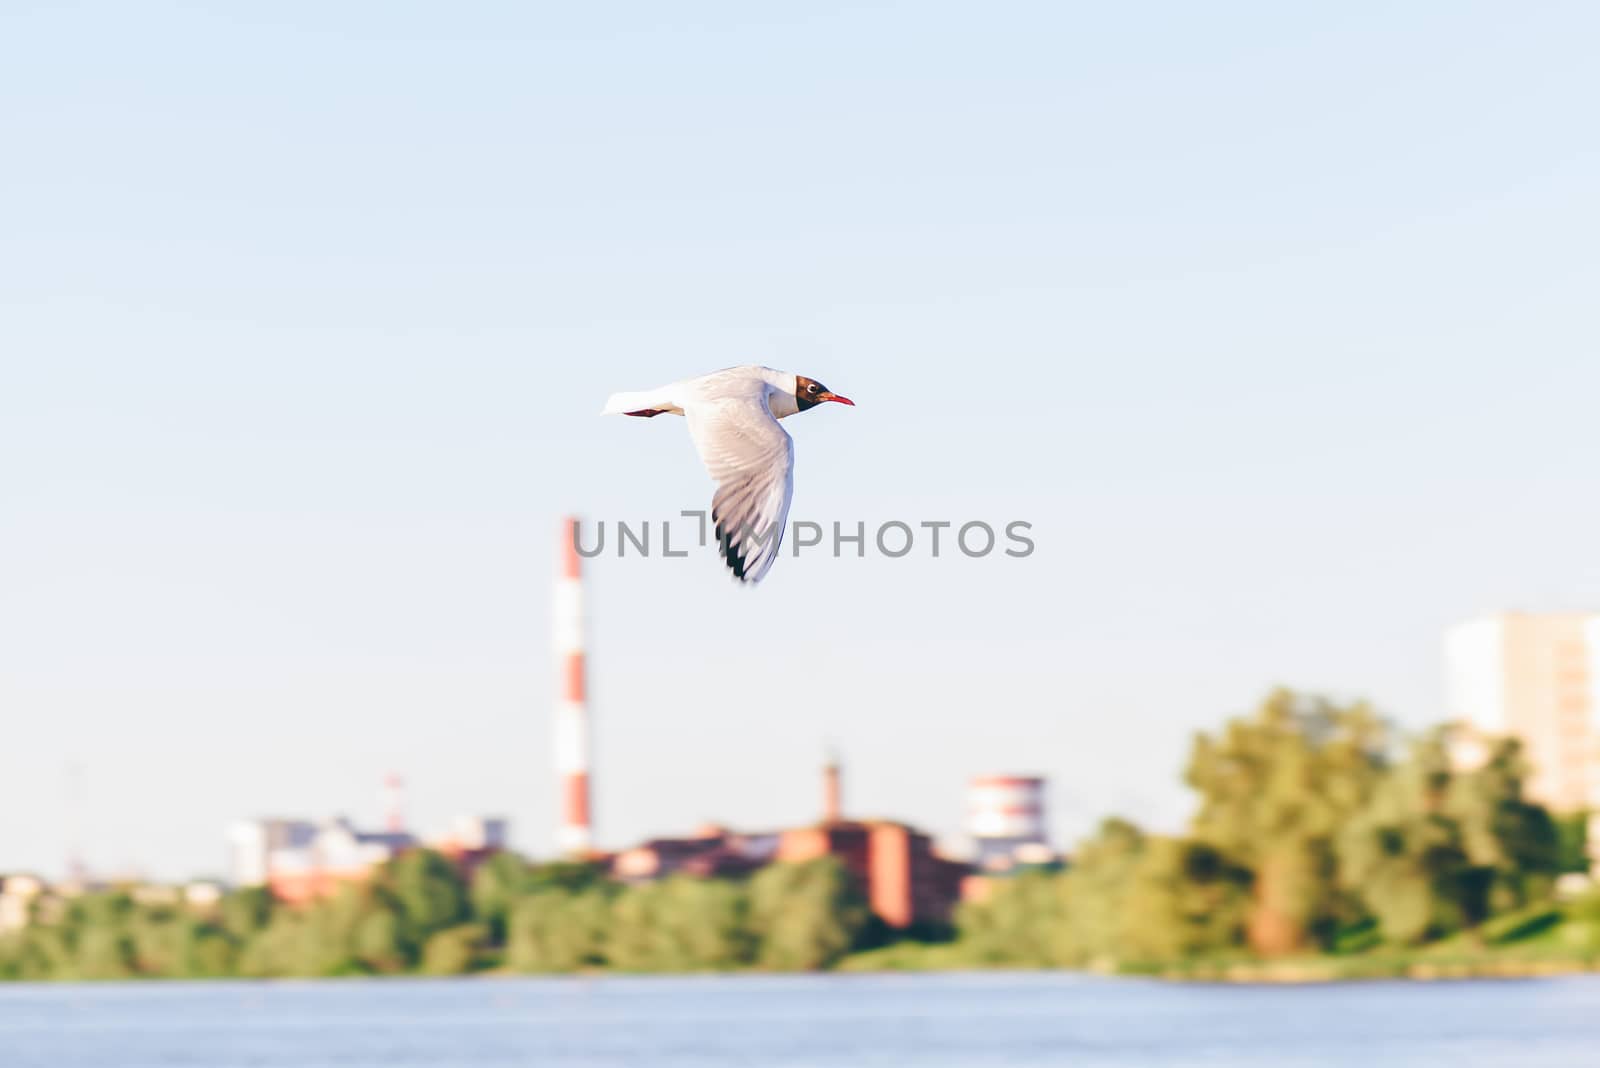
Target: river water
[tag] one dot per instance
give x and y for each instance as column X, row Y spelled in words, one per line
column 998, row 1020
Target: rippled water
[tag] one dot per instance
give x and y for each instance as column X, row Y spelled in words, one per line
column 931, row 1021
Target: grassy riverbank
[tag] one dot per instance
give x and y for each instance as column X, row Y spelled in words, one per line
column 1534, row 942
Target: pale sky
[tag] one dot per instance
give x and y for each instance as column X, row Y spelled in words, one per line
column 1277, row 323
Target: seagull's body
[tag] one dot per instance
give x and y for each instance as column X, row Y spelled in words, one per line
column 733, row 419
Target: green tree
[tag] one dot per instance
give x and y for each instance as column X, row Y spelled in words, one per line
column 1127, row 897
column 1438, row 848
column 275, row 950
column 1275, row 788
column 1572, row 834
column 37, row 953
column 1092, row 895
column 1184, row 898
column 162, row 942
column 379, row 945
column 558, row 931
column 103, row 952
column 1020, row 922
column 211, row 953
column 322, row 936
column 679, row 924
column 496, row 886
column 1403, row 856
column 572, row 876
column 1512, row 845
column 246, row 911
column 428, row 890
column 631, row 931
column 455, row 950
column 805, row 915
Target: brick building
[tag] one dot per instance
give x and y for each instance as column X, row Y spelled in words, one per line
column 905, row 881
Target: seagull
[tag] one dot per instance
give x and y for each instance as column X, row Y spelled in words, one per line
column 733, row 419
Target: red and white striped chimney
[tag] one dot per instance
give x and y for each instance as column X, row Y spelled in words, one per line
column 394, row 803
column 572, row 711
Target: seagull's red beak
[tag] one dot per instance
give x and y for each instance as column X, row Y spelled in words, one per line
column 835, row 397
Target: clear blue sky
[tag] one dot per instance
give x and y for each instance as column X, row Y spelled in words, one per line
column 1279, row 323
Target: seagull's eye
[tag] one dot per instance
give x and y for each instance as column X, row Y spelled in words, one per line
column 812, row 388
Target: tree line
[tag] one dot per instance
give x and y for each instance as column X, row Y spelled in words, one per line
column 417, row 914
column 1317, row 829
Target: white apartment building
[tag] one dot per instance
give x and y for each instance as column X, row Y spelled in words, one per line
column 1537, row 678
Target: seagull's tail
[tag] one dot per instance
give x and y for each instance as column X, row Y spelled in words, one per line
column 645, row 403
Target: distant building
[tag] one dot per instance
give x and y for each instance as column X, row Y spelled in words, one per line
column 257, row 847
column 474, row 840
column 17, row 896
column 1535, row 678
column 477, row 834
column 1006, row 819
column 906, row 882
column 299, row 860
column 711, row 851
column 302, row 861
column 154, row 895
column 202, row 893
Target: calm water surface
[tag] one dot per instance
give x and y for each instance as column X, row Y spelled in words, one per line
column 931, row 1021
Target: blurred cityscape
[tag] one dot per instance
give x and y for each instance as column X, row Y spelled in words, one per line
column 905, row 879
column 1523, row 681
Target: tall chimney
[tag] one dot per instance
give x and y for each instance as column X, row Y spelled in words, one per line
column 832, row 791
column 574, row 834
column 394, row 813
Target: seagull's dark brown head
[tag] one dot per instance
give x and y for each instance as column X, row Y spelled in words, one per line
column 808, row 393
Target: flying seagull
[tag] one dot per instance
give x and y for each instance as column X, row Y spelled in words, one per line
column 733, row 418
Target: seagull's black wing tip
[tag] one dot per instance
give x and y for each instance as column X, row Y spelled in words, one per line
column 731, row 553
column 737, row 556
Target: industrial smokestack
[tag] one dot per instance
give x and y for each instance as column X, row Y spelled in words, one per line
column 832, row 791
column 394, row 803
column 572, row 711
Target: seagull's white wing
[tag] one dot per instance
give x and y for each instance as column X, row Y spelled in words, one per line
column 752, row 460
